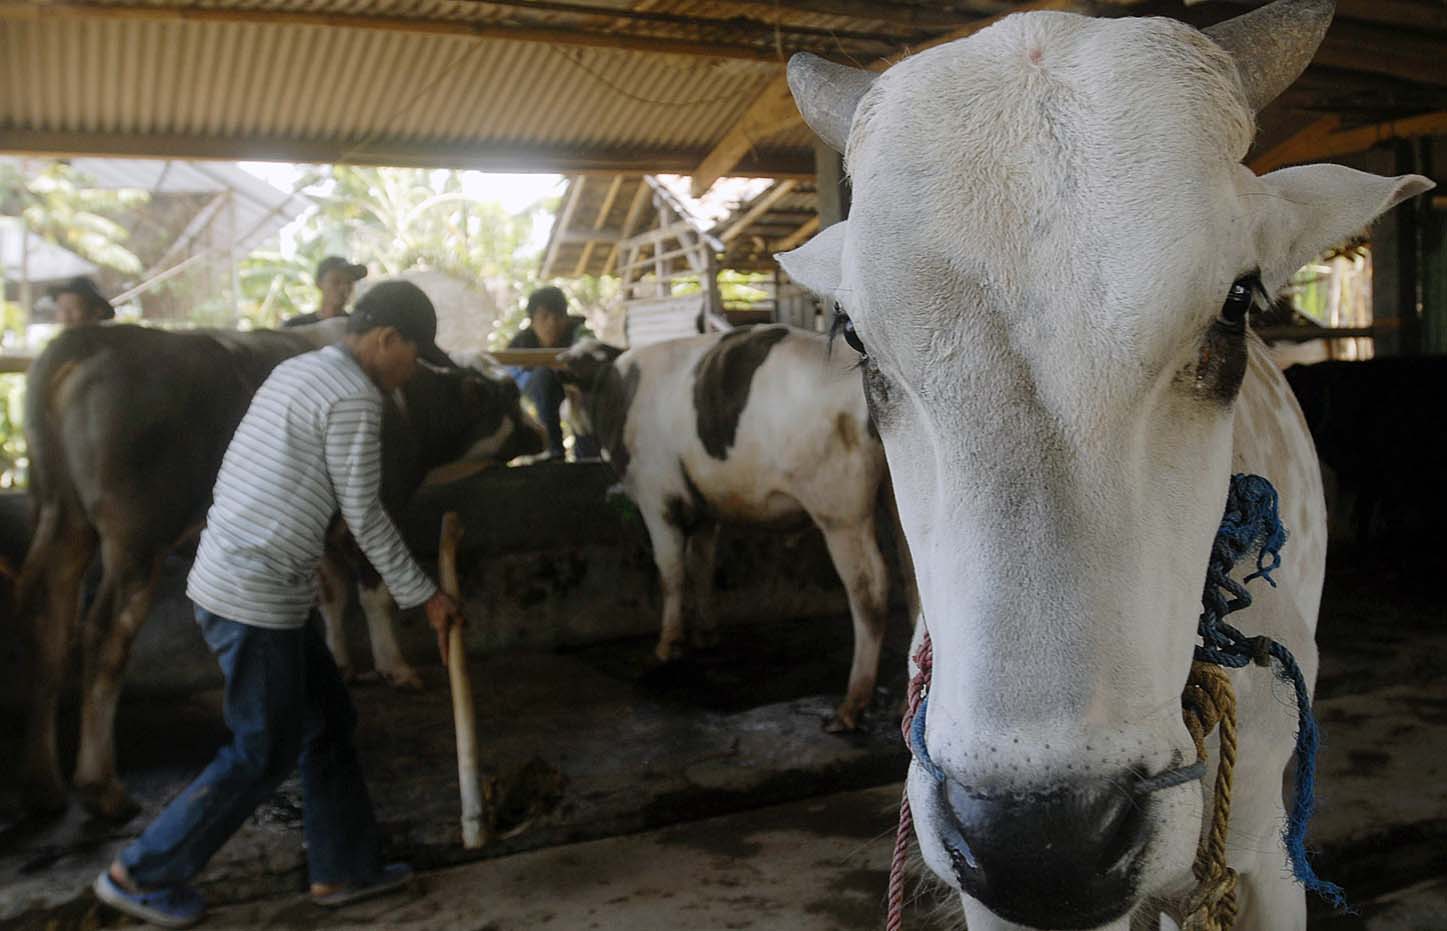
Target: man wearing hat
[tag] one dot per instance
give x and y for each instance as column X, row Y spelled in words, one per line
column 78, row 302
column 309, row 446
column 550, row 326
column 335, row 278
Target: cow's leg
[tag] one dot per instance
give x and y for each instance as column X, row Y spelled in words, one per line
column 381, row 613
column 856, row 556
column 47, row 608
column 700, row 562
column 669, row 543
column 335, row 582
column 120, row 609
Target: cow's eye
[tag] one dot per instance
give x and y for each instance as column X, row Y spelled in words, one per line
column 843, row 326
column 1240, row 298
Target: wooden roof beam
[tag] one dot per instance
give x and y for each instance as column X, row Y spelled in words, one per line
column 558, row 35
column 1314, row 144
column 769, row 30
column 1294, row 148
column 770, row 113
column 1385, row 51
column 608, row 200
column 630, row 223
column 760, row 207
column 565, row 220
column 794, row 239
column 900, row 14
column 1403, row 13
column 416, row 152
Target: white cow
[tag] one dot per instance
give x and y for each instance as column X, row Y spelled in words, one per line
column 760, row 425
column 1051, row 252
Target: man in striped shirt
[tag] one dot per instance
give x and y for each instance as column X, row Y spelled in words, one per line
column 309, row 446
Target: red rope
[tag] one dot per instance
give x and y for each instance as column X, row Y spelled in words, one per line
column 924, row 659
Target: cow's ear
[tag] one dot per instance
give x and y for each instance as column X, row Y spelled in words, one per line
column 818, row 264
column 1313, row 207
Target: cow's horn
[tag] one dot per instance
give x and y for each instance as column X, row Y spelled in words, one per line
column 827, row 95
column 1272, row 45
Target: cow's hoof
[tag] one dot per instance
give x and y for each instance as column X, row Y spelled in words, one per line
column 670, row 651
column 108, row 800
column 842, row 721
column 404, row 679
column 349, row 675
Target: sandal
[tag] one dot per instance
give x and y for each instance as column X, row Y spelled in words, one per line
column 394, row 876
column 169, row 907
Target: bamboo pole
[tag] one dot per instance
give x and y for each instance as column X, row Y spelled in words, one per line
column 469, row 783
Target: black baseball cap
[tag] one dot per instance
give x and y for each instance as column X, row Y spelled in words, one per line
column 356, row 270
column 86, row 288
column 405, row 308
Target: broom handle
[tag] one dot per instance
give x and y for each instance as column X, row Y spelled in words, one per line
column 463, row 716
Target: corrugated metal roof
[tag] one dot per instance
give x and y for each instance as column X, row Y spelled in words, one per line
column 603, row 86
column 338, row 92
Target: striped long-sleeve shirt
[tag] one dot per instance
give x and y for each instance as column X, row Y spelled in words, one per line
column 309, row 445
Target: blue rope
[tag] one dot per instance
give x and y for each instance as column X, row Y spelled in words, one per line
column 1252, row 520
column 916, row 741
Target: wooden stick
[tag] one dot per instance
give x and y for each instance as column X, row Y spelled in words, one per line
column 463, row 717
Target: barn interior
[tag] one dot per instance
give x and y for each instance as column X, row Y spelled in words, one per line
column 703, row 794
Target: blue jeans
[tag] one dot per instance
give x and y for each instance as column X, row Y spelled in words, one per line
column 285, row 702
column 544, row 389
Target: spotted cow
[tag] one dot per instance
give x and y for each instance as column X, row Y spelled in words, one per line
column 757, row 426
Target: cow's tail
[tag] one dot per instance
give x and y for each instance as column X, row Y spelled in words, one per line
column 53, row 495
column 907, row 580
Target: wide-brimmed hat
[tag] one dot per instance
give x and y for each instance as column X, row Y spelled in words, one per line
column 86, row 288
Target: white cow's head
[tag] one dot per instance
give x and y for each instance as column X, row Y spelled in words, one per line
column 1049, row 256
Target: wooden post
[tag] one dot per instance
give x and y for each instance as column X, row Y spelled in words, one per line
column 469, row 783
column 1409, row 259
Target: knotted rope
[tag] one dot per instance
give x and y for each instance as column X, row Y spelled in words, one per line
column 1251, row 519
column 1209, row 701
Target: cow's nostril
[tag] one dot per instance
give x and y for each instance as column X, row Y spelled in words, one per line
column 1058, row 856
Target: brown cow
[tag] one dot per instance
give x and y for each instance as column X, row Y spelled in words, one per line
column 127, row 429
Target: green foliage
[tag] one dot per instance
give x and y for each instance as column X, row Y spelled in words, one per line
column 274, row 287
column 405, row 218
column 395, row 220
column 57, row 204
column 13, row 462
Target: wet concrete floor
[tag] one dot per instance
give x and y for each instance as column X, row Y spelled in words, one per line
column 734, row 734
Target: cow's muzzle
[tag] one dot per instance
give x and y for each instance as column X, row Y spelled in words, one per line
column 1062, row 856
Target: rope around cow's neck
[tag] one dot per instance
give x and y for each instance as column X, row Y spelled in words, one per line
column 1251, row 520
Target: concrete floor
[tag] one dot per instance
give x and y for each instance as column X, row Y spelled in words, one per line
column 707, row 797
column 816, row 865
